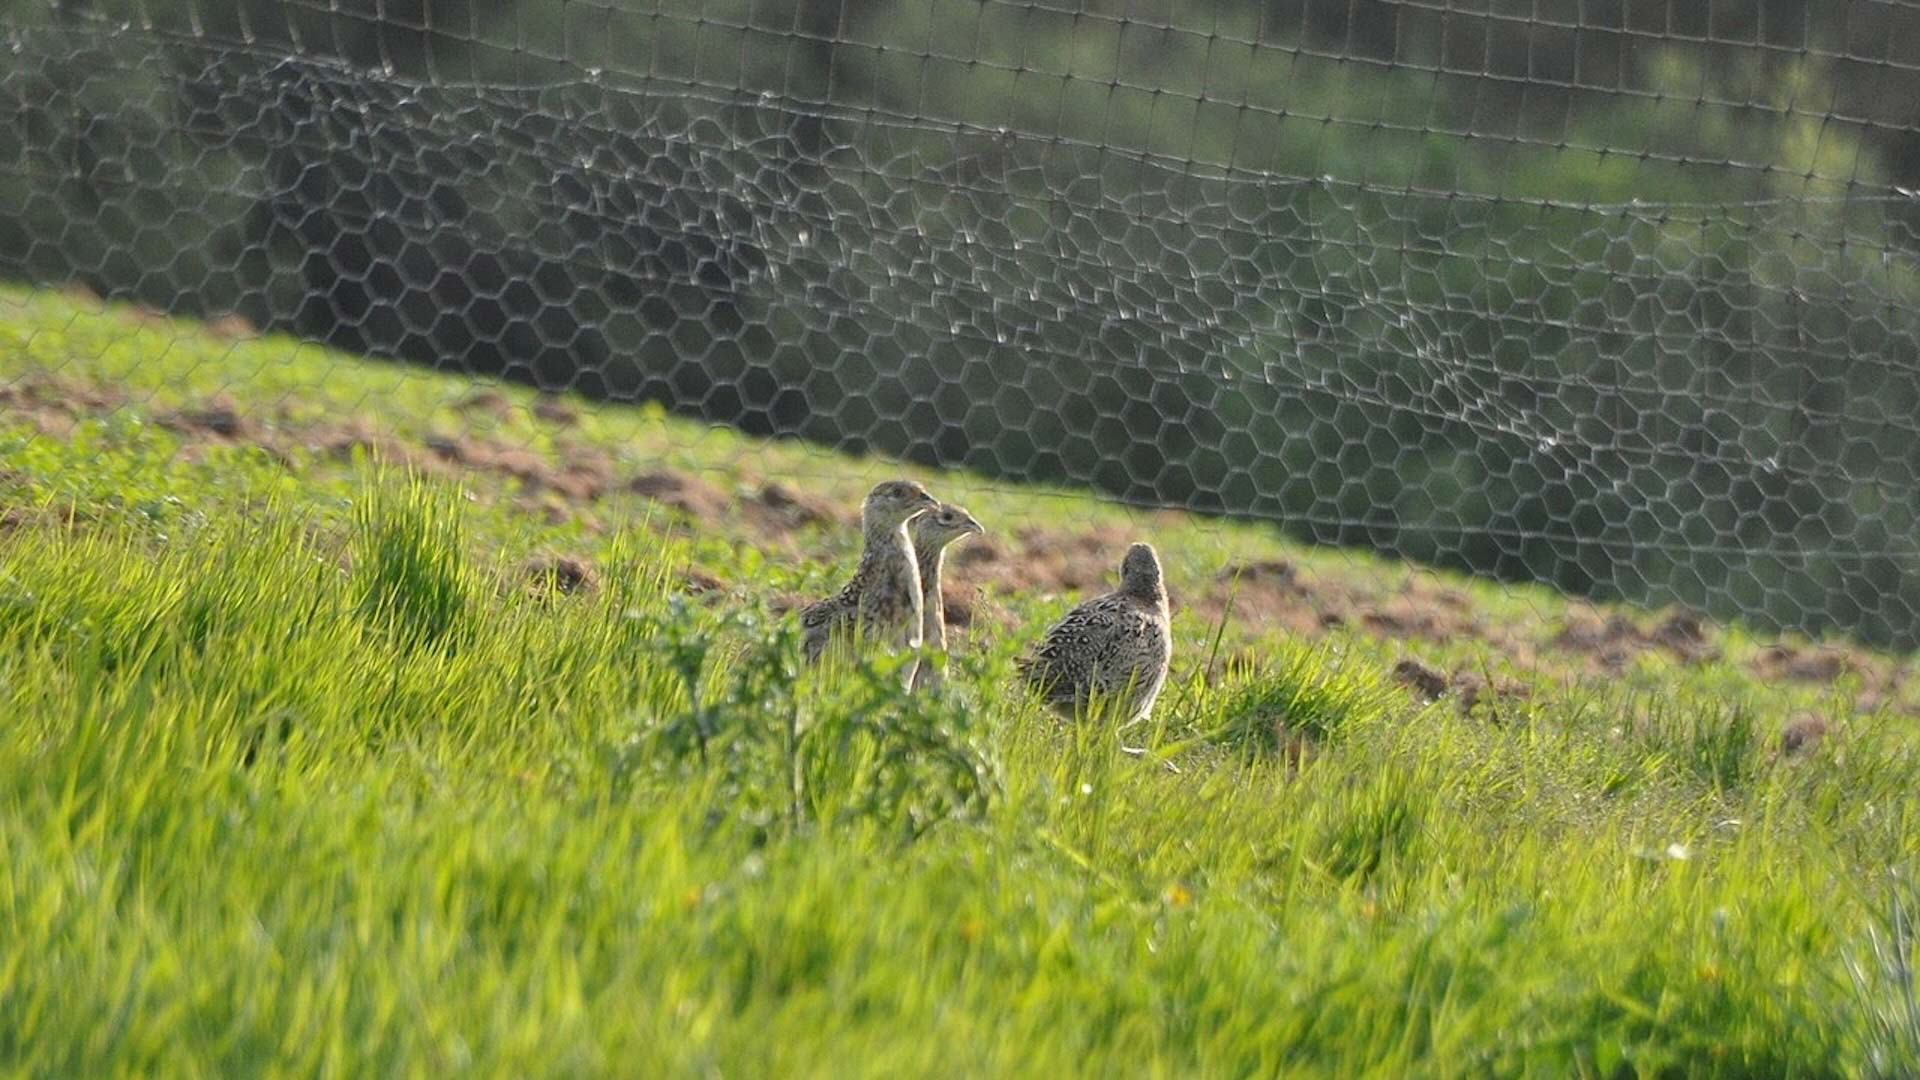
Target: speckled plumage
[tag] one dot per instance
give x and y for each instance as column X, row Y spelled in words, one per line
column 1117, row 644
column 882, row 601
column 933, row 533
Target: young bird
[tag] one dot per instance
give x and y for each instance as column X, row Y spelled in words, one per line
column 1117, row 644
column 882, row 603
column 933, row 533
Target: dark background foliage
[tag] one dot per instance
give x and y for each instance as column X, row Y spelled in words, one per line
column 1618, row 296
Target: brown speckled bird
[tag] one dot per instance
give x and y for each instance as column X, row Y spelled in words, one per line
column 882, row 601
column 1117, row 644
column 933, row 533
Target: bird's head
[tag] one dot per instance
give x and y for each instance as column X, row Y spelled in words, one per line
column 1140, row 573
column 892, row 503
column 938, row 528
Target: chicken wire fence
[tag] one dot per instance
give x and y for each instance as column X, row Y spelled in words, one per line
column 1611, row 294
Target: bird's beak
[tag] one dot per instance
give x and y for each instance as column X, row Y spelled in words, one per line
column 976, row 528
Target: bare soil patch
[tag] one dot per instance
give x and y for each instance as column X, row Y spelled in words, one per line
column 1476, row 693
column 1426, row 683
column 52, row 403
column 563, row 574
column 232, row 326
column 1611, row 642
column 1276, row 594
column 1047, row 560
column 780, row 508
column 1491, row 696
column 217, row 417
column 1273, row 593
column 1819, row 664
column 1802, row 735
column 553, row 410
column 683, row 492
column 489, row 403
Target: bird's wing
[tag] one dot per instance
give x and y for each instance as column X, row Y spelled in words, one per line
column 1085, row 632
column 823, row 612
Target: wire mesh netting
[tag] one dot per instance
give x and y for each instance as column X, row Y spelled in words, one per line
column 1619, row 296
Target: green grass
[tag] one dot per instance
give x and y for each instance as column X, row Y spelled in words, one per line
column 303, row 773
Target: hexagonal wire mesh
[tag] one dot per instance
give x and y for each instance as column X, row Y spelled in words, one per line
column 1619, row 297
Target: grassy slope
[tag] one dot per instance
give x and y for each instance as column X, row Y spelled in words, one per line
column 299, row 772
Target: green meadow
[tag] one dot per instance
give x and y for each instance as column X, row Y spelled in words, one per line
column 346, row 735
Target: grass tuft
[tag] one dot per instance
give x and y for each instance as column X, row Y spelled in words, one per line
column 1371, row 825
column 1719, row 743
column 1882, row 977
column 411, row 574
column 1303, row 692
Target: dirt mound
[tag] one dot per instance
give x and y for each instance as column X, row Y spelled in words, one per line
column 341, row 441
column 485, row 403
column 973, row 610
column 561, row 574
column 956, row 610
column 1270, row 573
column 552, row 410
column 684, row 492
column 1490, row 696
column 1426, row 683
column 979, row 551
column 1684, row 634
column 1415, row 613
column 582, row 477
column 1271, row 593
column 1802, row 735
column 1276, row 594
column 1048, row 560
column 1613, row 642
column 218, row 417
column 1476, row 693
column 52, row 404
column 779, row 508
column 1817, row 664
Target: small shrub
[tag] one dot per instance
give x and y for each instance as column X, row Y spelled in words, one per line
column 855, row 747
column 906, row 761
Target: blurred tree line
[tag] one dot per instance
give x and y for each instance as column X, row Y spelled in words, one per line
column 1619, row 296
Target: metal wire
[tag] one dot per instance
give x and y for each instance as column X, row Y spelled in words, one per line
column 1623, row 294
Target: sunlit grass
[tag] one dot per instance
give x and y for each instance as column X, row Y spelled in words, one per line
column 303, row 772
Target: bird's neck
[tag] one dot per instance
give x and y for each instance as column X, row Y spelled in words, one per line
column 931, row 558
column 886, row 541
column 880, row 535
column 1147, row 592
